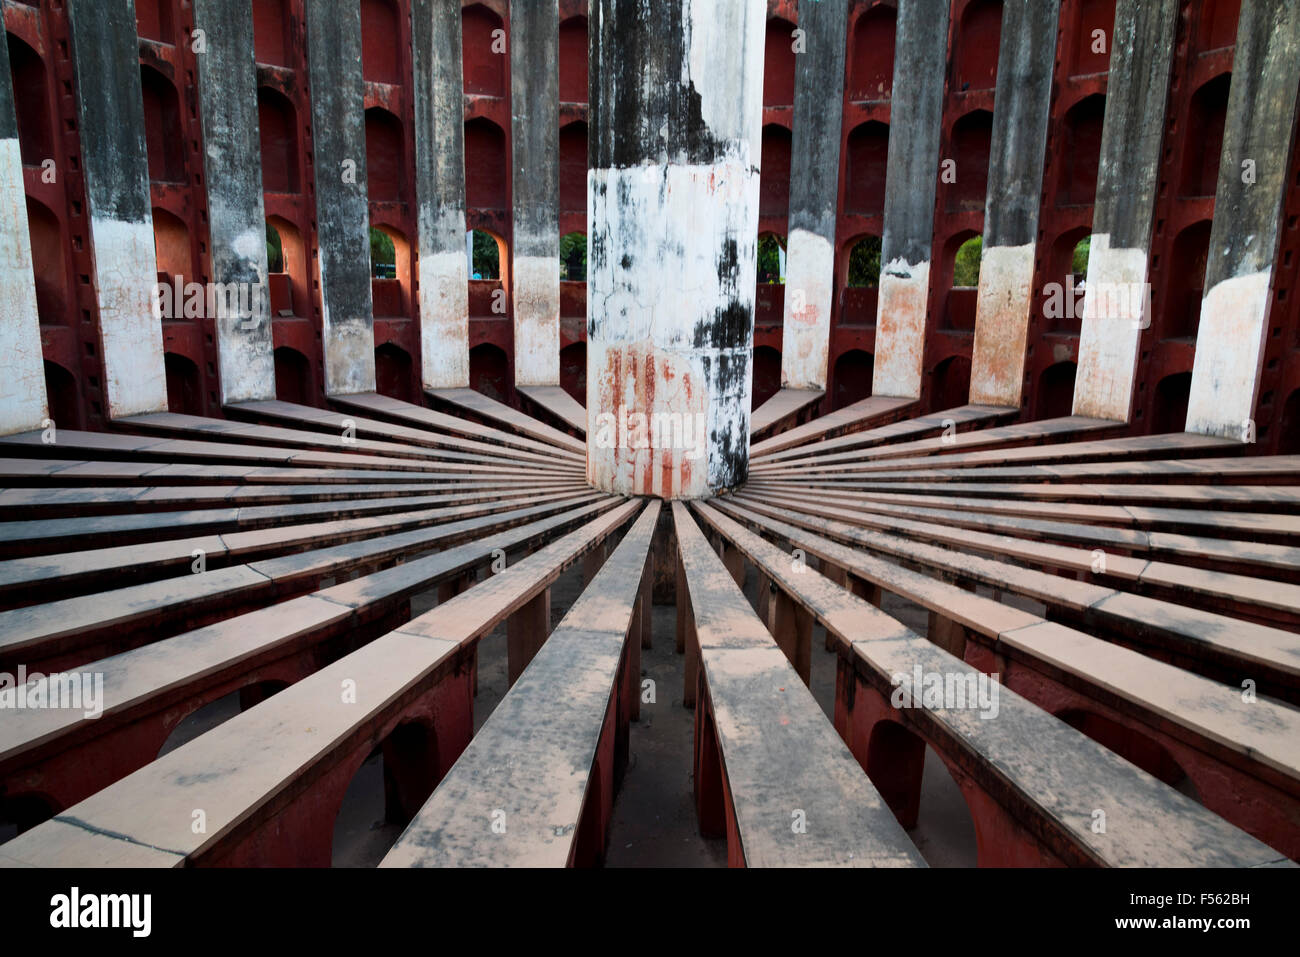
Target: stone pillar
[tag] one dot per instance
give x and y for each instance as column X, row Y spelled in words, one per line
column 342, row 205
column 22, row 387
column 440, row 191
column 232, row 161
column 1116, row 304
column 535, row 149
column 1022, row 103
column 1244, row 238
column 672, row 199
column 911, row 178
column 115, row 164
column 814, row 188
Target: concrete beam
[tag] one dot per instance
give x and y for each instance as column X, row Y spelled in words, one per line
column 1116, row 303
column 535, row 148
column 232, row 161
column 1257, row 138
column 1026, row 58
column 23, row 405
column 440, row 191
column 115, row 165
column 911, row 178
column 814, row 185
column 342, row 205
column 676, row 109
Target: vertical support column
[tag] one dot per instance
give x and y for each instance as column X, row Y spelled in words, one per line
column 1026, row 57
column 443, row 273
column 232, row 162
column 110, row 117
column 814, row 185
column 526, row 631
column 911, row 176
column 1116, row 305
column 23, row 405
column 1244, row 238
column 342, row 205
column 676, row 109
column 535, row 148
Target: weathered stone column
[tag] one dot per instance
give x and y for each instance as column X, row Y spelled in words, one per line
column 440, row 191
column 115, row 164
column 1115, row 302
column 22, row 387
column 342, row 206
column 535, row 149
column 1022, row 104
column 1247, row 225
column 814, row 184
column 672, row 199
column 232, row 162
column 911, row 179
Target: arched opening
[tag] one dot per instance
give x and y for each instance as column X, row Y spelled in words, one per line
column 769, row 296
column 31, row 105
column 22, row 812
column 774, row 180
column 971, row 137
column 1133, row 746
column 278, row 129
column 868, row 159
column 1288, row 440
column 153, row 20
column 851, row 379
column 962, row 264
column 767, row 374
column 488, row 257
column 390, row 272
column 1218, row 24
column 1187, row 262
column 485, row 165
column 858, row 301
column 184, row 387
column 489, row 372
column 950, row 383
column 1055, row 397
column 573, row 168
column 1206, row 115
column 385, row 157
column 483, row 57
column 871, row 71
column 171, row 243
column 1082, row 148
column 573, row 60
column 573, row 257
column 1062, row 290
column 1094, row 22
column 293, row 382
column 287, row 265
column 270, row 26
column 977, row 46
column 53, row 296
column 164, row 137
column 381, row 41
column 573, row 371
column 62, row 395
column 1170, row 411
column 778, row 64
column 393, row 373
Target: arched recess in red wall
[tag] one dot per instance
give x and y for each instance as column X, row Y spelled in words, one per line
column 393, row 373
column 270, row 32
column 1218, row 24
column 164, row 135
column 1092, row 36
column 385, row 153
column 868, row 149
column 485, row 165
column 27, row 70
column 1206, row 115
column 767, row 374
column 573, row 371
column 871, row 69
column 484, row 69
column 573, row 60
column 774, row 179
column 851, row 377
column 171, row 242
column 154, row 21
column 778, row 64
column 293, row 379
column 573, row 167
column 1055, row 395
column 950, row 383
column 977, row 42
column 63, row 396
column 381, row 38
column 971, row 137
column 1182, row 307
column 278, row 127
column 184, row 388
column 1169, row 412
column 489, row 372
column 53, row 291
column 1082, row 132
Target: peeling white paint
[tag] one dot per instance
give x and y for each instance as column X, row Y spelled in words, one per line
column 900, row 329
column 1109, row 338
column 730, row 101
column 1230, row 343
column 125, row 273
column 536, row 293
column 22, row 388
column 444, row 320
column 1001, row 324
column 806, row 333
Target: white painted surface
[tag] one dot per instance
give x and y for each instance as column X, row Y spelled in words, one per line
column 805, row 338
column 245, row 356
column 22, row 387
column 349, row 343
column 725, row 41
column 1001, row 324
column 900, row 329
column 125, row 273
column 444, row 320
column 1230, row 344
column 536, row 293
column 1108, row 338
